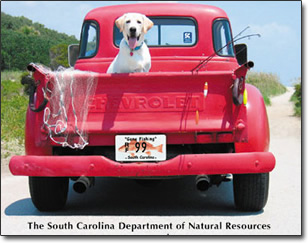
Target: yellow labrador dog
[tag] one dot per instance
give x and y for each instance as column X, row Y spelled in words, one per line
column 134, row 55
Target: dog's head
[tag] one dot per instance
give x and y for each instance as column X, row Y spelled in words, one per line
column 134, row 26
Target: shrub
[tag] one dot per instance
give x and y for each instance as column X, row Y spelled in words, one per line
column 297, row 99
column 267, row 83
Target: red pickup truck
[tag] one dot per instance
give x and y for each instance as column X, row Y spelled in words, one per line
column 191, row 114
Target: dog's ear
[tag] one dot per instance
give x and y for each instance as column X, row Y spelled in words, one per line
column 120, row 22
column 147, row 24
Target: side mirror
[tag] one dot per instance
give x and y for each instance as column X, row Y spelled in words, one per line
column 241, row 53
column 73, row 53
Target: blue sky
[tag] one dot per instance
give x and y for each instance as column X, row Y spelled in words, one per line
column 279, row 22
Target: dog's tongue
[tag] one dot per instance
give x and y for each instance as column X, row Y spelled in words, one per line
column 132, row 43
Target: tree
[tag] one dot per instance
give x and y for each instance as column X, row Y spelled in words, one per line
column 58, row 56
column 23, row 42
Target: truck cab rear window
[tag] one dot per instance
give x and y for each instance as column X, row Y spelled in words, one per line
column 167, row 32
column 89, row 39
column 222, row 38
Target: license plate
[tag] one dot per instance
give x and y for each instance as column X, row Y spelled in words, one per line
column 140, row 147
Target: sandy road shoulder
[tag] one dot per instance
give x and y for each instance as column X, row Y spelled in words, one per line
column 281, row 117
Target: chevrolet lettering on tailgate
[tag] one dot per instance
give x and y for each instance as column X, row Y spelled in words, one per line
column 104, row 103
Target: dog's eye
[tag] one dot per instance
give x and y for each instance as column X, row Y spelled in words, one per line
column 128, row 21
column 138, row 21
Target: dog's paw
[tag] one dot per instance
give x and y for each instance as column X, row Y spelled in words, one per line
column 138, row 70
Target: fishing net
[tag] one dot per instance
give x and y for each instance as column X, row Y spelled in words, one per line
column 69, row 93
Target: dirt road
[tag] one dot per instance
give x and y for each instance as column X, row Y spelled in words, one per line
column 285, row 181
column 113, row 206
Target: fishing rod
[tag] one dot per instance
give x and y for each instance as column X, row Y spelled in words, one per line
column 205, row 61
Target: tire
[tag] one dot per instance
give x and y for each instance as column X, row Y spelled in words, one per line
column 48, row 193
column 250, row 191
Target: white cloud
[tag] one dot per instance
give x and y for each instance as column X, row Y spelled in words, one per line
column 278, row 50
column 271, row 29
column 276, row 35
column 30, row 3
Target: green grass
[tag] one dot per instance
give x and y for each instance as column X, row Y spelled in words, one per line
column 14, row 104
column 267, row 83
column 11, row 75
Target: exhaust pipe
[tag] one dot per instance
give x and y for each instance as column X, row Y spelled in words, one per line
column 83, row 183
column 203, row 182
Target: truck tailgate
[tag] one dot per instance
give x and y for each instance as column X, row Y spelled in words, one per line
column 161, row 102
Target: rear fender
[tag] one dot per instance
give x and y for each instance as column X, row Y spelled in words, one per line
column 257, row 123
